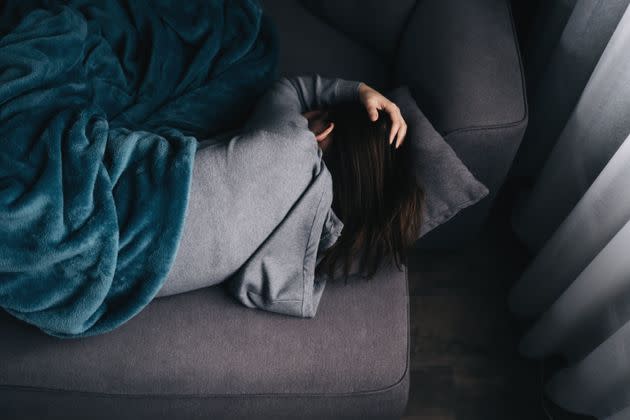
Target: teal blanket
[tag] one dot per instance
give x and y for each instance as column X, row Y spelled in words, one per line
column 101, row 106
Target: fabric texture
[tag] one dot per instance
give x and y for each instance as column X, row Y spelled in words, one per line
column 480, row 109
column 490, row 92
column 369, row 22
column 567, row 41
column 598, row 125
column 260, row 204
column 448, row 184
column 575, row 293
column 578, row 289
column 100, row 105
column 348, row 362
column 481, row 112
column 202, row 355
column 307, row 44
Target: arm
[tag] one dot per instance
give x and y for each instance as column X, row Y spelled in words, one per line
column 286, row 100
column 283, row 104
column 317, row 92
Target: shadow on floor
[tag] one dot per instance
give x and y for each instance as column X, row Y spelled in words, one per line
column 464, row 361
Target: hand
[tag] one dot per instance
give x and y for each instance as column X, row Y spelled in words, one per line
column 373, row 102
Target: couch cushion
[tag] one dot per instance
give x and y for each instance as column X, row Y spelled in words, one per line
column 373, row 23
column 461, row 61
column 449, row 187
column 204, row 345
column 310, row 45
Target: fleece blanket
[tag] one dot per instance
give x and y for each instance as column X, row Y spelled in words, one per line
column 101, row 106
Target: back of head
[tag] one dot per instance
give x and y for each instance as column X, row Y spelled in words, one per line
column 376, row 195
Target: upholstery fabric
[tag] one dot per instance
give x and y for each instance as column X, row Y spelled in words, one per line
column 481, row 112
column 372, row 22
column 205, row 353
column 442, row 38
column 474, row 98
column 309, row 45
column 351, row 360
column 449, row 186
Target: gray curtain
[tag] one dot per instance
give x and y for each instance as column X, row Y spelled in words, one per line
column 576, row 220
column 566, row 41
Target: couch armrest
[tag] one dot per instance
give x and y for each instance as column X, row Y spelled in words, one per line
column 461, row 60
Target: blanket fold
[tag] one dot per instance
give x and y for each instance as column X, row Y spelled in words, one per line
column 101, row 106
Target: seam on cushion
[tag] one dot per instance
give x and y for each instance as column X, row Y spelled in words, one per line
column 484, row 127
column 393, row 386
column 204, row 396
column 521, row 73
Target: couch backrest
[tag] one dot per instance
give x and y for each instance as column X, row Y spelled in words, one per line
column 308, row 44
column 459, row 57
column 376, row 24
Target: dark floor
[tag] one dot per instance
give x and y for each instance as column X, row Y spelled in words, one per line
column 463, row 339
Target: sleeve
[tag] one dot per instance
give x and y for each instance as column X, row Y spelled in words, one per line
column 280, row 275
column 286, row 100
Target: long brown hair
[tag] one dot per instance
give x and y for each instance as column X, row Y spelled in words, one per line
column 375, row 193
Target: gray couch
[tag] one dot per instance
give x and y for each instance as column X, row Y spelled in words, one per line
column 181, row 356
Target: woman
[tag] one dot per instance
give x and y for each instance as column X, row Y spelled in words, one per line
column 309, row 139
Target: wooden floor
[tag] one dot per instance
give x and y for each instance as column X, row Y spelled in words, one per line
column 465, row 365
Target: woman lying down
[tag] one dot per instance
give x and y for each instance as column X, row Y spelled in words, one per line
column 315, row 181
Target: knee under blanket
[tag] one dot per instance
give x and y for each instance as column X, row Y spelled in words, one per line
column 101, row 105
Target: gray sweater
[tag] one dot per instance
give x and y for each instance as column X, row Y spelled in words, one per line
column 259, row 210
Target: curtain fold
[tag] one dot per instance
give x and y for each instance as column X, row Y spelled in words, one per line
column 596, row 128
column 576, row 220
column 566, row 42
column 597, row 385
column 596, row 219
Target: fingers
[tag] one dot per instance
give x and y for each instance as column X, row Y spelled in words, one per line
column 392, row 110
column 401, row 135
column 394, row 130
column 399, row 127
column 372, row 109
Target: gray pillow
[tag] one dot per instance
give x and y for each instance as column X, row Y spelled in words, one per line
column 449, row 186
